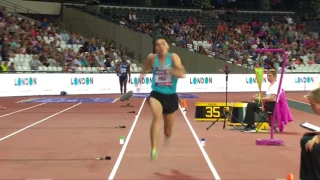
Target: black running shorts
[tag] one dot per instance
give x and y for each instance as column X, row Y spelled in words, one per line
column 122, row 79
column 169, row 102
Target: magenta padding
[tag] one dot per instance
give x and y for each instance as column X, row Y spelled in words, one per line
column 280, row 83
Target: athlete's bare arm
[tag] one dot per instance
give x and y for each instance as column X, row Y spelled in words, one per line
column 178, row 69
column 147, row 66
column 117, row 68
column 128, row 71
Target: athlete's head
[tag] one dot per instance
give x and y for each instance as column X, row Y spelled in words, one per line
column 161, row 45
column 123, row 56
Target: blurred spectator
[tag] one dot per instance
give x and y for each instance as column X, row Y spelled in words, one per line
column 111, row 45
column 68, row 68
column 130, row 19
column 202, row 50
column 4, row 67
column 134, row 17
column 84, row 61
column 44, row 23
column 123, row 22
column 103, row 47
column 55, row 61
column 85, row 48
column 76, row 62
column 35, row 63
column 42, row 43
column 92, row 45
column 65, row 36
column 97, row 43
column 100, row 58
column 11, row 67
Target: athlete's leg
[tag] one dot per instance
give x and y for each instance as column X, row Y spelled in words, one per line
column 125, row 88
column 121, row 81
column 169, row 111
column 156, row 109
column 169, row 121
column 125, row 85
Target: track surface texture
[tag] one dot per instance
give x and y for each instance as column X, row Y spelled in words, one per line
column 61, row 140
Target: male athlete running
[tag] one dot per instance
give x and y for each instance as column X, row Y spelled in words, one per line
column 166, row 68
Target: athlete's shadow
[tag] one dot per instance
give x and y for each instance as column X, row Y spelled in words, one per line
column 175, row 174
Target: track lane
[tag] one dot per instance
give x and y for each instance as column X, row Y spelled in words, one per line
column 181, row 159
column 237, row 151
column 65, row 136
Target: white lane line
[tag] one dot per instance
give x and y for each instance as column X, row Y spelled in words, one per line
column 298, row 101
column 204, row 153
column 22, row 110
column 53, row 115
column 115, row 100
column 124, row 147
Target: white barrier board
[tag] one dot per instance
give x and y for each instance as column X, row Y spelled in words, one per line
column 52, row 84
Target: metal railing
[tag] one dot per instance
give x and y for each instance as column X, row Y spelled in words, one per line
column 15, row 8
column 97, row 13
column 133, row 55
column 176, row 5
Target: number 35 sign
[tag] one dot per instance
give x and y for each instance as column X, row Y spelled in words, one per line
column 210, row 111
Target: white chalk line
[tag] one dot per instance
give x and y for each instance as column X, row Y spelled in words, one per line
column 22, row 110
column 38, row 122
column 115, row 100
column 297, row 101
column 124, row 147
column 204, row 153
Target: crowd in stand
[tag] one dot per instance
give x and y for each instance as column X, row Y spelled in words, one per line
column 238, row 41
column 44, row 44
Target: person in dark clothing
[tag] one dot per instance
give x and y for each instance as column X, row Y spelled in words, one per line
column 268, row 100
column 85, row 47
column 108, row 61
column 310, row 145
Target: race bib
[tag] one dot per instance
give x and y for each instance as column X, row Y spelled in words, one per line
column 123, row 70
column 163, row 78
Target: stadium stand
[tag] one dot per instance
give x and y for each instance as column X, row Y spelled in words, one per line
column 32, row 43
column 230, row 34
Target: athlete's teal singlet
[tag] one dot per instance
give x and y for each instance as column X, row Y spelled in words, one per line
column 162, row 81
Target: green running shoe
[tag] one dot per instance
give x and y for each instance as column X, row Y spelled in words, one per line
column 154, row 154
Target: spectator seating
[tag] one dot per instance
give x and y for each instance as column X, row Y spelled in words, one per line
column 49, row 36
column 225, row 35
column 229, row 21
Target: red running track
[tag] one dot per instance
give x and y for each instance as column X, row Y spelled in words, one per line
column 85, row 131
column 181, row 159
